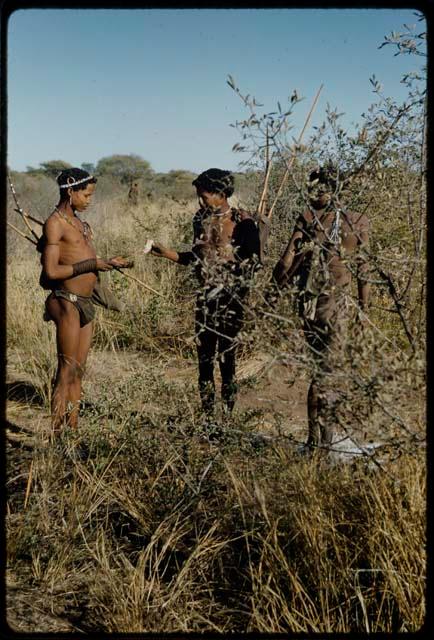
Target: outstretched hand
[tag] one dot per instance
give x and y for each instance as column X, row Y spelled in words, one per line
column 153, row 248
column 157, row 249
column 120, row 262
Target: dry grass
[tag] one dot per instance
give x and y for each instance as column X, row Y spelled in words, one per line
column 158, row 530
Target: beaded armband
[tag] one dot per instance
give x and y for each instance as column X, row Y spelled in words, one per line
column 85, row 266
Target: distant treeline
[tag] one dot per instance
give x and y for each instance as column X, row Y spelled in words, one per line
column 124, row 170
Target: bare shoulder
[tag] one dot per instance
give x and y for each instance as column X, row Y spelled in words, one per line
column 53, row 228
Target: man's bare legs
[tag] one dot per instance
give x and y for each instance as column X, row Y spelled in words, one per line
column 312, row 415
column 73, row 343
column 75, row 386
column 320, row 412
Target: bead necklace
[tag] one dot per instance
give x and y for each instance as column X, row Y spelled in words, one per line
column 85, row 229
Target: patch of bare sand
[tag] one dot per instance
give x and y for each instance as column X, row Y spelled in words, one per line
column 265, row 385
column 269, row 386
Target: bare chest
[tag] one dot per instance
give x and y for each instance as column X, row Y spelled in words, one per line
column 75, row 244
column 335, row 233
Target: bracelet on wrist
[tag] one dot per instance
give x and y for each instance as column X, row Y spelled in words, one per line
column 85, row 266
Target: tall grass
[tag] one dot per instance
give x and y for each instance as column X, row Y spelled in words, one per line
column 158, row 530
column 161, row 532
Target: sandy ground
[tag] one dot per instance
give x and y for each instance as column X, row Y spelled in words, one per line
column 274, row 391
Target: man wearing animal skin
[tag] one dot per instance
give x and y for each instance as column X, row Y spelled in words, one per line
column 225, row 254
column 325, row 242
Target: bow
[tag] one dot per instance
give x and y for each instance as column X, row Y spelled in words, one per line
column 25, row 216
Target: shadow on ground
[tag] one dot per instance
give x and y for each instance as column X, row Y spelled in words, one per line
column 24, row 391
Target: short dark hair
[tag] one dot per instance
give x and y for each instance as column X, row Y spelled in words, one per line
column 73, row 176
column 216, row 181
column 326, row 175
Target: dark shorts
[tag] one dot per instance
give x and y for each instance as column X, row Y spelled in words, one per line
column 83, row 304
column 221, row 315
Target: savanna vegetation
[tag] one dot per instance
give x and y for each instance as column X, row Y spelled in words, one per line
column 160, row 530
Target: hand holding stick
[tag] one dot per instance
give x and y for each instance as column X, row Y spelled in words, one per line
column 120, row 262
column 117, row 262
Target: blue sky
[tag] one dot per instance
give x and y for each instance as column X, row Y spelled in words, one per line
column 85, row 84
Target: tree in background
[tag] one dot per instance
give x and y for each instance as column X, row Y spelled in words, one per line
column 50, row 168
column 89, row 167
column 124, row 167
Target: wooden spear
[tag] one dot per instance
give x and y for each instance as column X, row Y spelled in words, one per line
column 29, row 484
column 263, row 199
column 129, row 275
column 291, row 161
column 30, row 217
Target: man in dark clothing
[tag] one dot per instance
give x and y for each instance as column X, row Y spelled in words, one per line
column 225, row 254
column 325, row 242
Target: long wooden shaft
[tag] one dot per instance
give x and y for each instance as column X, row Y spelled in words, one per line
column 263, row 199
column 129, row 275
column 20, row 210
column 291, row 161
column 22, row 234
column 30, row 217
column 29, row 484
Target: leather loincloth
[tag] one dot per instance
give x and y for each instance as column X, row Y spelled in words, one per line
column 83, row 304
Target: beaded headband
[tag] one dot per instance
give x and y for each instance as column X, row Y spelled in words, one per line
column 74, row 182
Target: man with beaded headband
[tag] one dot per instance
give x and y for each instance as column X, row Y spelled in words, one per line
column 70, row 270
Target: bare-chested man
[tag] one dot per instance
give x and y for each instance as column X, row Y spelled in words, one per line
column 225, row 254
column 69, row 269
column 325, row 241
